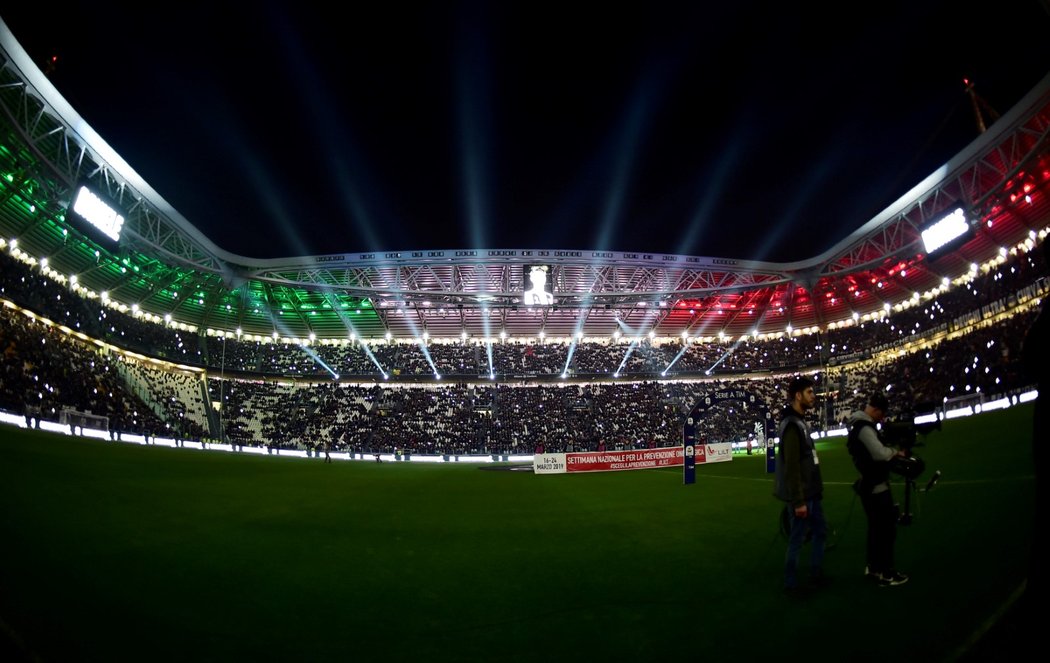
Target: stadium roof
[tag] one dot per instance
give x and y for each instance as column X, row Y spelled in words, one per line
column 165, row 267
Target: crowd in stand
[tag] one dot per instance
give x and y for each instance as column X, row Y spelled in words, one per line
column 975, row 327
column 46, row 371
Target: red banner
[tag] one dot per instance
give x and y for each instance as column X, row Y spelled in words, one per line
column 615, row 461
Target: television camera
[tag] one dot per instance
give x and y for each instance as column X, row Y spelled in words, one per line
column 904, row 434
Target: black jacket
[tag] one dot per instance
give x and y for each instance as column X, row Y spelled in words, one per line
column 798, row 467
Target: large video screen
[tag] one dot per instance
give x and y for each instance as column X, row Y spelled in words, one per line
column 539, row 290
column 946, row 232
column 96, row 216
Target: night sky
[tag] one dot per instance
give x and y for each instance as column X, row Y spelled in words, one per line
column 755, row 130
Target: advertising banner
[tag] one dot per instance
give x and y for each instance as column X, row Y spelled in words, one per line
column 634, row 459
column 612, row 461
column 548, row 463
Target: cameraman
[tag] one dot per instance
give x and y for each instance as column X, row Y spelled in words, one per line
column 873, row 459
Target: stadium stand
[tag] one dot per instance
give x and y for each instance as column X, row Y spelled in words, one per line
column 166, row 334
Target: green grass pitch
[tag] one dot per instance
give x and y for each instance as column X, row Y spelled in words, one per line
column 113, row 552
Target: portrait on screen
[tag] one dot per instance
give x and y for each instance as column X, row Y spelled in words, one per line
column 538, row 290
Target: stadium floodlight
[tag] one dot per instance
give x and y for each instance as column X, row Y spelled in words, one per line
column 946, row 232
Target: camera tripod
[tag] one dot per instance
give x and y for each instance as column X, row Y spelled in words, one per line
column 906, row 516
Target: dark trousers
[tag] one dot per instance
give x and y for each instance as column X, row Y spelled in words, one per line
column 799, row 528
column 882, row 531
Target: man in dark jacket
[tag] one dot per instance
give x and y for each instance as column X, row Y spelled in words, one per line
column 798, row 483
column 873, row 460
